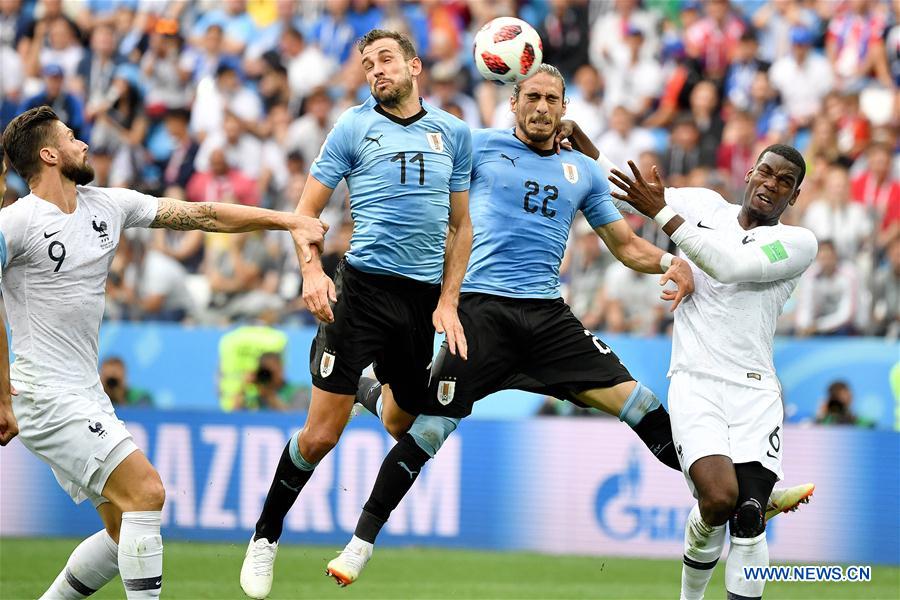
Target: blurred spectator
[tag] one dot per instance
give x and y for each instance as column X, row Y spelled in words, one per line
column 623, row 141
column 632, row 302
column 684, row 153
column 705, row 113
column 242, row 276
column 307, row 67
column 222, row 183
column 333, row 33
column 878, row 190
column 243, row 151
column 855, row 45
column 852, row 128
column 632, row 79
column 446, row 89
column 608, row 32
column 586, row 101
column 62, row 46
column 164, row 77
column 307, row 134
column 775, row 19
column 13, row 22
column 179, row 166
column 836, row 409
column 95, row 71
column 203, row 57
column 886, row 295
column 714, row 38
column 737, row 154
column 827, row 295
column 835, row 218
column 114, row 377
column 65, row 104
column 582, row 269
column 237, row 26
column 803, row 77
column 742, row 70
column 226, row 93
column 772, row 120
column 565, row 32
column 267, row 39
column 239, row 354
column 267, row 388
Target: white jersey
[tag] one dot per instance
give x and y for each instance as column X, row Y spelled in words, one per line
column 53, row 268
column 726, row 328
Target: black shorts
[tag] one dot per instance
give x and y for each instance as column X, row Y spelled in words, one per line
column 533, row 345
column 381, row 319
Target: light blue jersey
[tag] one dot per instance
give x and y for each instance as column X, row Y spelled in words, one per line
column 522, row 204
column 400, row 173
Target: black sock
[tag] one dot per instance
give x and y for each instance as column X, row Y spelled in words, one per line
column 655, row 430
column 283, row 492
column 398, row 472
column 367, row 394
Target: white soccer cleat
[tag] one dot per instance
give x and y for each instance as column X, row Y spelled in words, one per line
column 258, row 569
column 345, row 569
column 789, row 499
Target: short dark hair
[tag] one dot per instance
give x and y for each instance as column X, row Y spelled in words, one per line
column 788, row 152
column 406, row 45
column 25, row 136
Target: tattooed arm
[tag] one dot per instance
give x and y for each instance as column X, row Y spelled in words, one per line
column 234, row 218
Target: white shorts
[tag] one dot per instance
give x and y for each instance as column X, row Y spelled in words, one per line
column 77, row 433
column 712, row 416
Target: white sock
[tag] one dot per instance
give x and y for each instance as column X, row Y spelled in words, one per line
column 141, row 554
column 359, row 543
column 702, row 547
column 746, row 552
column 91, row 565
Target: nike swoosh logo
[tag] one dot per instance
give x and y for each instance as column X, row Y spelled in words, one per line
column 50, row 235
column 702, row 226
column 747, row 239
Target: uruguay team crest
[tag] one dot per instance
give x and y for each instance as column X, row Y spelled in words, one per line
column 446, row 390
column 326, row 366
column 435, row 141
column 571, row 172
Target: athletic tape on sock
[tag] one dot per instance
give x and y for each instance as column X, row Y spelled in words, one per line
column 297, row 458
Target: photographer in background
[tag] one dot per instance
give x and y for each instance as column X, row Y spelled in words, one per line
column 115, row 383
column 835, row 409
column 268, row 390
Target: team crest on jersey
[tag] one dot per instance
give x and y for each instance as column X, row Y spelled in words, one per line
column 435, row 141
column 446, row 390
column 105, row 241
column 571, row 172
column 326, row 366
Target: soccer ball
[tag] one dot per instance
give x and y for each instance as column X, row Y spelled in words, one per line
column 508, row 50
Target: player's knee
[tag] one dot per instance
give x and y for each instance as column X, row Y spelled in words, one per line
column 718, row 505
column 149, row 494
column 429, row 432
column 314, row 445
column 749, row 520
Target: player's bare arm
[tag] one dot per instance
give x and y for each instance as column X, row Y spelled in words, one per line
column 570, row 137
column 638, row 254
column 8, row 426
column 456, row 259
column 318, row 288
column 234, row 218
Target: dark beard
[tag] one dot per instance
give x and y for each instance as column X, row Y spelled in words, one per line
column 393, row 96
column 81, row 174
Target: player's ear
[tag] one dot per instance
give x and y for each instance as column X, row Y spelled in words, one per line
column 747, row 176
column 794, row 197
column 49, row 155
column 415, row 66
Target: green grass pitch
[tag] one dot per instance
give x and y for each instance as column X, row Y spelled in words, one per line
column 192, row 570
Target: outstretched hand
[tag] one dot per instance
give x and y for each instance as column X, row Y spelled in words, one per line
column 565, row 130
column 648, row 198
column 680, row 273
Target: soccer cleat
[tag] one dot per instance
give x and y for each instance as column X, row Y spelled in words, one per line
column 789, row 499
column 345, row 569
column 258, row 569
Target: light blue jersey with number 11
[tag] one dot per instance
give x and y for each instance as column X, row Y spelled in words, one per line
column 400, row 173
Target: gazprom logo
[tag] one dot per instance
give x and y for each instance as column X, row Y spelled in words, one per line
column 623, row 513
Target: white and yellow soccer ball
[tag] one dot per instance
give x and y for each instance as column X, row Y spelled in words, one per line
column 508, row 50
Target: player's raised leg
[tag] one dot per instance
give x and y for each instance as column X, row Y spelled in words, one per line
column 328, row 413
column 135, row 489
column 748, row 530
column 398, row 473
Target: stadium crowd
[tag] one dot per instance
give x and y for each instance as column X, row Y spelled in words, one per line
column 230, row 101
